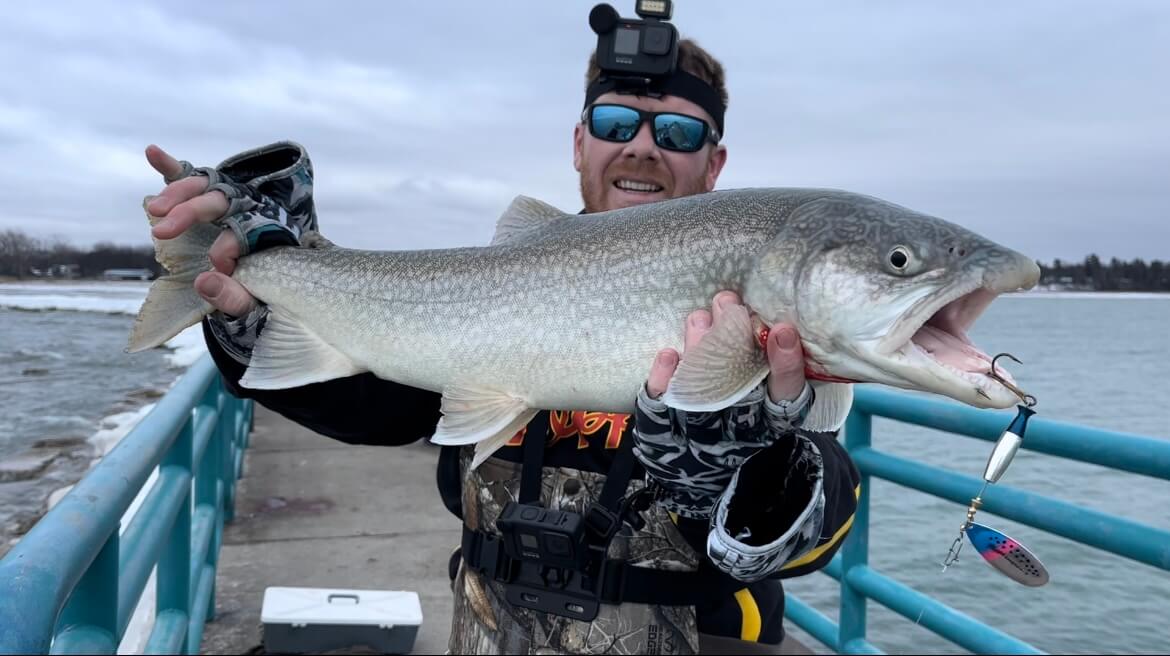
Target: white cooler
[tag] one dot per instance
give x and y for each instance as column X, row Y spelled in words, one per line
column 304, row 620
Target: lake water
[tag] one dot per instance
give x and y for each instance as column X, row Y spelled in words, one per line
column 67, row 386
column 1099, row 360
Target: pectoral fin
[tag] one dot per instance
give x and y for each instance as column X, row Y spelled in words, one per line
column 721, row 369
column 486, row 418
column 288, row 354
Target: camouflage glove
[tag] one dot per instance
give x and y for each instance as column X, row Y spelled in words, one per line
column 773, row 510
column 693, row 456
column 270, row 203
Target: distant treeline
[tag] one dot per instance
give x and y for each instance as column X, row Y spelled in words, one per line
column 1092, row 274
column 23, row 256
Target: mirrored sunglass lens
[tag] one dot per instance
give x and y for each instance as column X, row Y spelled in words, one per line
column 678, row 132
column 614, row 123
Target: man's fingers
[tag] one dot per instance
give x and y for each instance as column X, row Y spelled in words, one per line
column 661, row 371
column 201, row 209
column 698, row 324
column 162, row 162
column 784, row 340
column 224, row 252
column 786, row 361
column 225, row 294
column 177, row 192
column 720, row 301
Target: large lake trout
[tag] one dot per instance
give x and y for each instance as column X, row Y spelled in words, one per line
column 567, row 311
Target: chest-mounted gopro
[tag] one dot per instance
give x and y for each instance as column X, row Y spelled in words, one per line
column 645, row 48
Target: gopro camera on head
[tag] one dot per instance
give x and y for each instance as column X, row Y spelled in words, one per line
column 645, row 48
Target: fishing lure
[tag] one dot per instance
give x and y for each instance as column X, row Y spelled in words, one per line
column 1000, row 551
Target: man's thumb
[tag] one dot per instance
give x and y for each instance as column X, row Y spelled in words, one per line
column 224, row 294
column 784, row 338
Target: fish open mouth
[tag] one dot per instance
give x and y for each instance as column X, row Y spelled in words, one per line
column 936, row 329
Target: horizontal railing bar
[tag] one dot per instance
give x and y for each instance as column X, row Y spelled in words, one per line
column 144, row 538
column 812, row 620
column 1139, row 454
column 833, row 568
column 1116, row 535
column 958, row 627
column 169, row 633
column 84, row 639
column 41, row 570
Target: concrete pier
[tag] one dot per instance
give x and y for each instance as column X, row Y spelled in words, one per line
column 314, row 512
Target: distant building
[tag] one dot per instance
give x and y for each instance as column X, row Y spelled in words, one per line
column 127, row 274
column 66, row 271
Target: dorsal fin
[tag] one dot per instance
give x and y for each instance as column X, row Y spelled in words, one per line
column 523, row 216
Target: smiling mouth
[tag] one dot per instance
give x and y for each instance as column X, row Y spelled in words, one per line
column 637, row 187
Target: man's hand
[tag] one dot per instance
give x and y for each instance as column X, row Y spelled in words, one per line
column 185, row 202
column 693, row 456
column 786, row 357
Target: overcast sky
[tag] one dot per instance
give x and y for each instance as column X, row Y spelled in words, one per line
column 1042, row 125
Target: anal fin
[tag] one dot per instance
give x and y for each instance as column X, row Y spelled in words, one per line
column 484, row 417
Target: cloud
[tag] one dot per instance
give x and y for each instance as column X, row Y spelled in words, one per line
column 1042, row 125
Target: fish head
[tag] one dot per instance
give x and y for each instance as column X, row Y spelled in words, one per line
column 883, row 294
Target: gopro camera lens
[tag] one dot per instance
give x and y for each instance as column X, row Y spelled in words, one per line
column 657, row 40
column 557, row 545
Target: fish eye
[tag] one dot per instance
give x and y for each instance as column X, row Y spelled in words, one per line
column 899, row 258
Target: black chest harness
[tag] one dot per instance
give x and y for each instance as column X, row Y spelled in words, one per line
column 554, row 561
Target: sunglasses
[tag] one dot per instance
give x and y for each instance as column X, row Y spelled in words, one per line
column 677, row 132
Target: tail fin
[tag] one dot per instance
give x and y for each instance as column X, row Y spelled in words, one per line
column 172, row 304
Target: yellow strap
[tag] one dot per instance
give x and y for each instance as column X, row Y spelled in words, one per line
column 750, row 612
column 816, row 553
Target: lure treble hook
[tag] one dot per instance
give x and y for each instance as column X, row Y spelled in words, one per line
column 1028, row 399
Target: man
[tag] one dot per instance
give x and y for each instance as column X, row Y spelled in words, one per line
column 739, row 497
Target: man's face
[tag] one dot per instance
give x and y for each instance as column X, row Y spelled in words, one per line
column 617, row 175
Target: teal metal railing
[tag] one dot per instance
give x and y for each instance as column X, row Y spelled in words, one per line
column 72, row 583
column 860, row 582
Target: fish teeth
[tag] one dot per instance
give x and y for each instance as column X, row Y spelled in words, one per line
column 975, row 378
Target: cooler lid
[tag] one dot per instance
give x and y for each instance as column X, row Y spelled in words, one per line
column 383, row 608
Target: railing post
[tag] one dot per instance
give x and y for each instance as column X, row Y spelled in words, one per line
column 222, row 451
column 231, row 423
column 216, row 487
column 89, row 622
column 855, row 550
column 174, row 564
